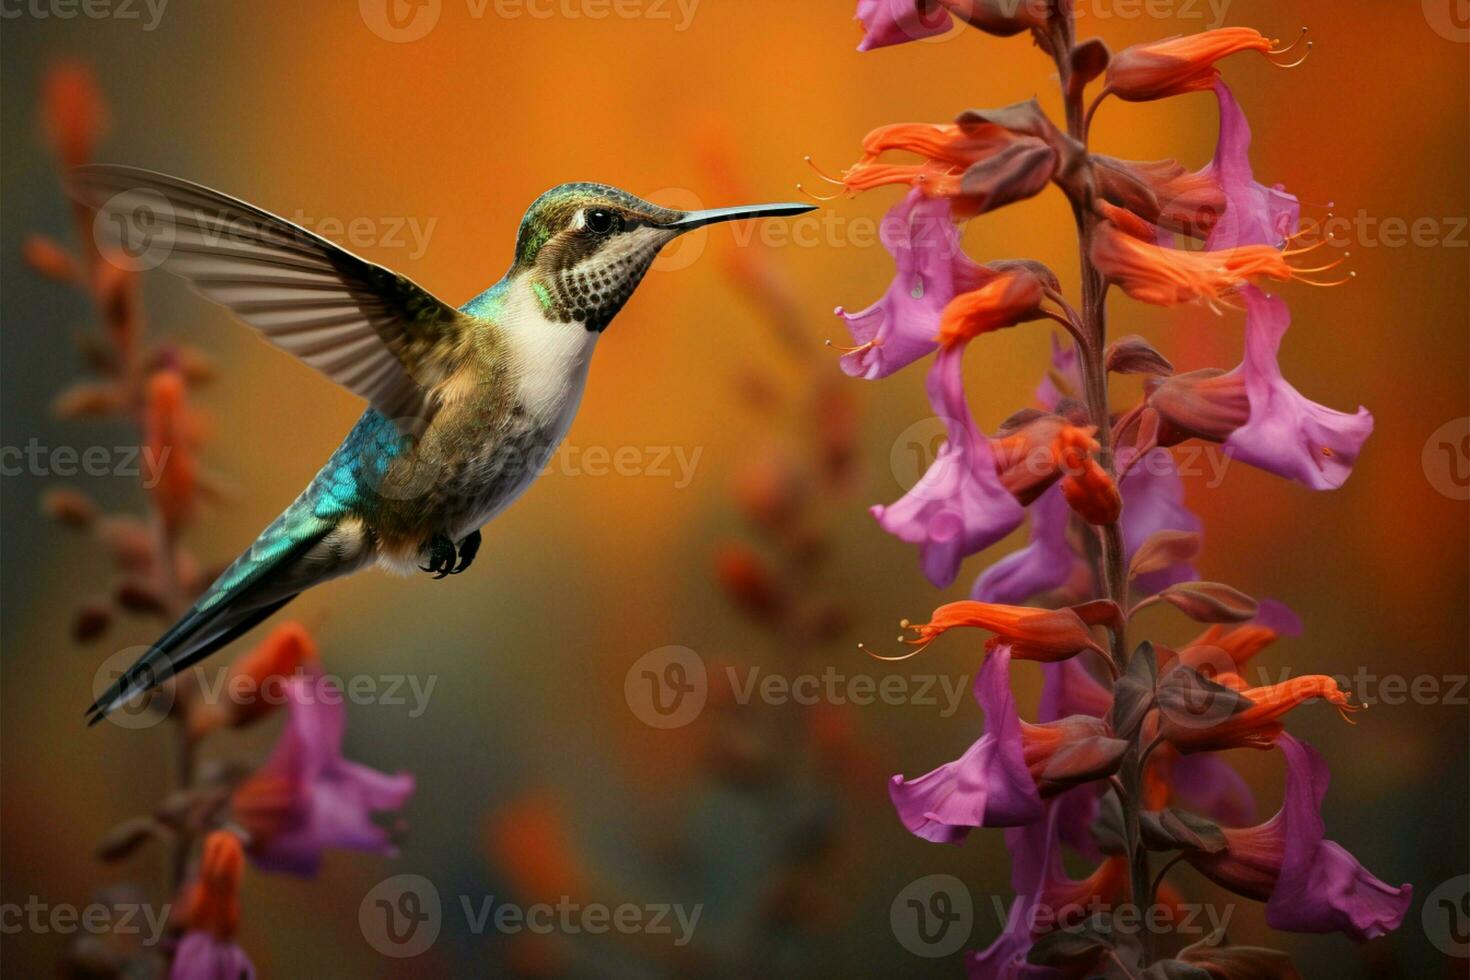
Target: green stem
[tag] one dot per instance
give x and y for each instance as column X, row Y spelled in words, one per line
column 1112, row 571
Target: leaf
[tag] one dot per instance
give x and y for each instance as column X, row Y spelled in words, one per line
column 1133, row 694
column 125, row 838
column 1134, row 355
column 1020, row 171
column 1226, row 962
column 1083, row 761
column 1179, row 830
column 1164, row 549
column 1107, row 826
column 1175, row 970
column 1077, row 949
column 1190, row 702
column 1210, row 602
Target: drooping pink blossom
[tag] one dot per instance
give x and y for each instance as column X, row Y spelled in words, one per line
column 988, row 786
column 888, row 22
column 308, row 797
column 959, row 506
column 1310, row 884
column 1287, row 434
column 932, row 269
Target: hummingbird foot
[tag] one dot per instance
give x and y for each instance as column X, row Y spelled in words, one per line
column 468, row 548
column 441, row 556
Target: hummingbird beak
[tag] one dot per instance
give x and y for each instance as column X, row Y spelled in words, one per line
column 699, row 219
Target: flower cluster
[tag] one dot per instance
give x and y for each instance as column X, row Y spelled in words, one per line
column 306, row 798
column 1122, row 762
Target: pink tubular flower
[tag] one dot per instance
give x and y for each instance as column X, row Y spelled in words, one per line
column 307, row 797
column 1153, row 501
column 988, row 786
column 1310, row 884
column 211, row 914
column 903, row 326
column 959, row 506
column 1254, row 213
column 1287, row 434
column 1045, row 896
column 889, row 22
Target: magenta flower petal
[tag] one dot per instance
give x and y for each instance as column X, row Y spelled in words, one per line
column 959, row 506
column 887, row 22
column 331, row 801
column 1047, row 562
column 1153, row 500
column 1064, row 365
column 932, row 269
column 1208, row 785
column 201, row 956
column 1254, row 214
column 1286, row 434
column 988, row 786
column 1321, row 887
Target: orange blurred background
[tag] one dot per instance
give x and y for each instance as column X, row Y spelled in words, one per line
column 307, row 111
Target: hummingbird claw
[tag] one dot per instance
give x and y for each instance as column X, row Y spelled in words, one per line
column 441, row 556
column 467, row 551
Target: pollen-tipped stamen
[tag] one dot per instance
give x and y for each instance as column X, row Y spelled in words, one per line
column 820, row 173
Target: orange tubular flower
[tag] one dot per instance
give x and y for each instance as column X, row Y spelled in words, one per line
column 1005, row 301
column 1027, row 456
column 212, row 903
column 170, row 449
column 938, row 143
column 1255, row 727
column 1179, row 64
column 1169, row 276
column 1047, row 635
column 1089, row 490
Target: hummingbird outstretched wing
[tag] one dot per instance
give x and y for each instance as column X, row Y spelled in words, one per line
column 376, row 333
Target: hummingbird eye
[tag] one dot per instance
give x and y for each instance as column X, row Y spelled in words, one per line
column 601, row 221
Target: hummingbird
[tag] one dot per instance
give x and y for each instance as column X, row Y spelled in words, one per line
column 464, row 405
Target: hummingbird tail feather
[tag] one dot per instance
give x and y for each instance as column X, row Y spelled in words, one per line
column 256, row 584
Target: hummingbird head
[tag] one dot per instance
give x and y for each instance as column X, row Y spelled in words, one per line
column 585, row 247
